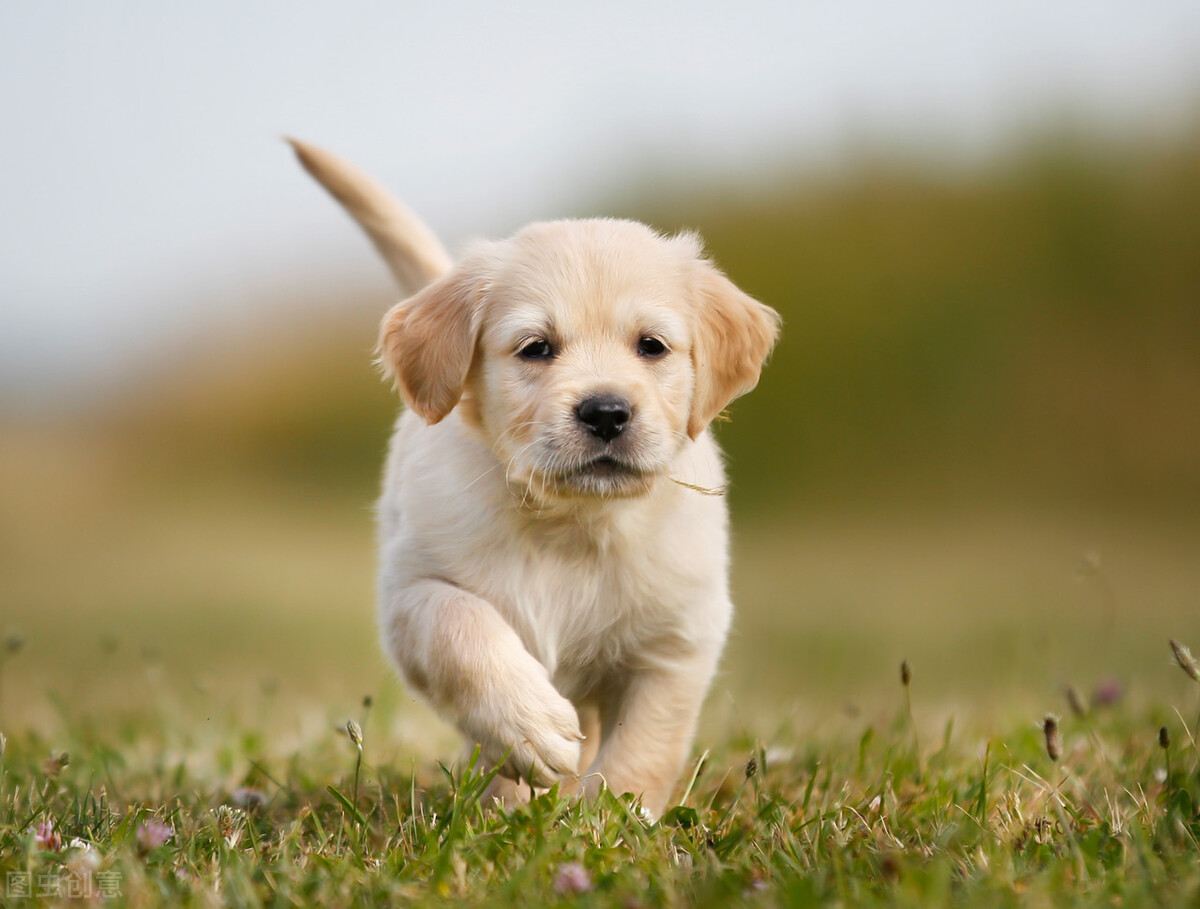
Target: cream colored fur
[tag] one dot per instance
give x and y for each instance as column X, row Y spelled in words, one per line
column 562, row 598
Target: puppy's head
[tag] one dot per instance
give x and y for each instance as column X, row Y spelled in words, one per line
column 587, row 353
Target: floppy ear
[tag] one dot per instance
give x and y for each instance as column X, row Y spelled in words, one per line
column 734, row 335
column 426, row 343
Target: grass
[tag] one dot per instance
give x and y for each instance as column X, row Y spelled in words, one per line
column 200, row 665
column 199, row 656
column 154, row 809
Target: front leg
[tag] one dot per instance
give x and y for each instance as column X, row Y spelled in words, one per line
column 509, row 793
column 648, row 724
column 458, row 651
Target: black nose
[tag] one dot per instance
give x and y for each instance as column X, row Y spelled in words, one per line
column 604, row 415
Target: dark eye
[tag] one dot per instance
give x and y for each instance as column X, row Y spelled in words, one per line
column 536, row 350
column 651, row 347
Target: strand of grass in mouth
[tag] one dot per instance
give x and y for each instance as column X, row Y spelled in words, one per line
column 703, row 490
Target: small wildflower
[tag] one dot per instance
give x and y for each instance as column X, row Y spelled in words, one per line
column 1107, row 693
column 86, row 858
column 46, row 837
column 1075, row 701
column 227, row 818
column 1164, row 738
column 1186, row 661
column 80, row 868
column 230, row 822
column 355, row 732
column 185, row 877
column 758, row 884
column 572, row 878
column 83, row 846
column 905, row 673
column 56, row 763
column 248, row 798
column 1053, row 737
column 153, row 833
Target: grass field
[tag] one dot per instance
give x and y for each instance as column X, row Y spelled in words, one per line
column 199, row 662
column 160, row 806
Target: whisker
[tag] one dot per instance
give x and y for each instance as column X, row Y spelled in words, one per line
column 500, row 439
column 508, row 468
column 481, row 476
column 516, row 426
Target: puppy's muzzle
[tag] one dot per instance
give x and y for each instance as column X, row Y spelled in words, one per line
column 604, row 416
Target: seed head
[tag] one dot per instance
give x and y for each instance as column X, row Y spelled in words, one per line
column 56, row 763
column 1075, row 701
column 751, row 766
column 355, row 732
column 905, row 673
column 1053, row 737
column 889, row 865
column 1186, row 661
column 1164, row 738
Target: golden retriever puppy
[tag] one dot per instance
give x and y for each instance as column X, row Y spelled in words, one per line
column 554, row 567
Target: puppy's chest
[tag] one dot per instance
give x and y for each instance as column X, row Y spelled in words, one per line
column 585, row 605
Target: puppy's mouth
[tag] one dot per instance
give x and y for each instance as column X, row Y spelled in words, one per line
column 604, row 476
column 606, row 466
column 568, row 468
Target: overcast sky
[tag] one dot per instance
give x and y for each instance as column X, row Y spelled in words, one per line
column 144, row 190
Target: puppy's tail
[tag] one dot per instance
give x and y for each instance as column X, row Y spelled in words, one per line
column 412, row 251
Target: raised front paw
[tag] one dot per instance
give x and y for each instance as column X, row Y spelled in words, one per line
column 524, row 725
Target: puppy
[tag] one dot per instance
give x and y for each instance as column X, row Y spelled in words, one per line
column 554, row 561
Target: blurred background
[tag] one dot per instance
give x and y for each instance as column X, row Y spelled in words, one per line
column 977, row 446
